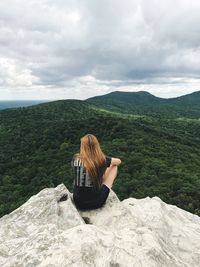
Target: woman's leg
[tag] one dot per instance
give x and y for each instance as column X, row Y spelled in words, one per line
column 110, row 175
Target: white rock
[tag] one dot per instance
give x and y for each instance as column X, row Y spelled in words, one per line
column 134, row 232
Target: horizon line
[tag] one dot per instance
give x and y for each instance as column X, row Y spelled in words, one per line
column 4, row 100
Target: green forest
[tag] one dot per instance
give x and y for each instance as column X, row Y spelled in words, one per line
column 158, row 141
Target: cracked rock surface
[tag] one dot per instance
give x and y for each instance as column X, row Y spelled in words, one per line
column 48, row 230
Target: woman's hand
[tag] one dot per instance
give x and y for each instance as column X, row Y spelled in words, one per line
column 115, row 161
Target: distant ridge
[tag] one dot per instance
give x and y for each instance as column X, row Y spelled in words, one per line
column 140, row 97
column 130, row 97
column 195, row 93
column 192, row 98
column 120, row 93
column 19, row 103
column 143, row 102
column 144, row 94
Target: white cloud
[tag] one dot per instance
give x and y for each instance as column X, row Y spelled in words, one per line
column 14, row 75
column 76, row 49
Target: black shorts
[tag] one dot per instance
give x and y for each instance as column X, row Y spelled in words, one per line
column 95, row 204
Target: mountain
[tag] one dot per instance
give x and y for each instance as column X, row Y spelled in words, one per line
column 143, row 97
column 144, row 103
column 19, row 103
column 140, row 97
column 48, row 230
column 127, row 102
column 159, row 147
column 192, row 99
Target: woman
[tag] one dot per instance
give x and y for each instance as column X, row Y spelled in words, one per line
column 93, row 173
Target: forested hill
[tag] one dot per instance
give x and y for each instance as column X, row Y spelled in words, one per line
column 158, row 142
column 145, row 103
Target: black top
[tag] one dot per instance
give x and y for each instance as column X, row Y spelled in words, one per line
column 83, row 188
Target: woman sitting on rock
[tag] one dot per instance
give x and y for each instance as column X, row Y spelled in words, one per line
column 93, row 173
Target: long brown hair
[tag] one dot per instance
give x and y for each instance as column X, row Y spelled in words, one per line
column 93, row 158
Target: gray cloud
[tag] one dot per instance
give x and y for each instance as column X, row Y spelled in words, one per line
column 76, row 47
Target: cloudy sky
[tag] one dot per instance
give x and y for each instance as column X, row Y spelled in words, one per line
column 59, row 49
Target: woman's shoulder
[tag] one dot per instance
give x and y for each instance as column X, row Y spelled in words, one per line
column 76, row 160
column 76, row 156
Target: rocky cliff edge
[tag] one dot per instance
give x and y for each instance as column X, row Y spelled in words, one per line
column 48, row 230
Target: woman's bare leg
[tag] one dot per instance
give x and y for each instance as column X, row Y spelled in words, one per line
column 110, row 175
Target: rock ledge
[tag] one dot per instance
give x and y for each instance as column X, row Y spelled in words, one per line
column 48, row 230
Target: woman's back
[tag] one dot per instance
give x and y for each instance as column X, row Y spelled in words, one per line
column 89, row 170
column 81, row 175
